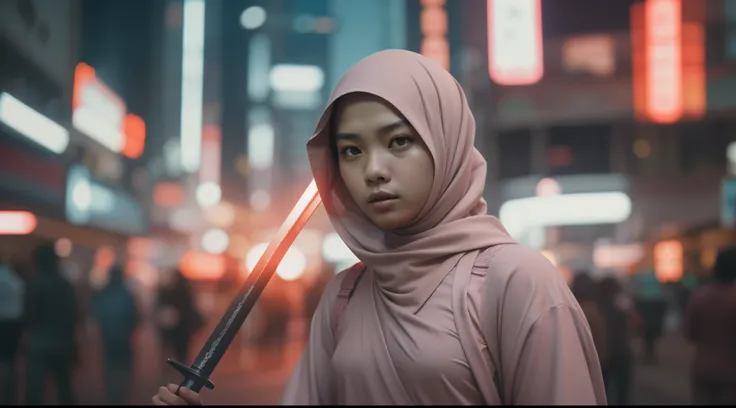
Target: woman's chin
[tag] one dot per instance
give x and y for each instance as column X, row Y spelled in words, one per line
column 390, row 222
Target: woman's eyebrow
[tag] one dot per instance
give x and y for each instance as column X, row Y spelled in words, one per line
column 383, row 129
column 392, row 126
column 346, row 136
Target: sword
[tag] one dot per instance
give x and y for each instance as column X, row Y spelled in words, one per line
column 197, row 375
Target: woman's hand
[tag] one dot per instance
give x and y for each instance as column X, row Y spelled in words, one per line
column 167, row 396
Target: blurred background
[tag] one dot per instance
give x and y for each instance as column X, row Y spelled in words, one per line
column 150, row 148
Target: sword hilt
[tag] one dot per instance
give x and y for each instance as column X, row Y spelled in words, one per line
column 193, row 379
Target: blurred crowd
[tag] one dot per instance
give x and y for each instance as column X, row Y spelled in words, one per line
column 43, row 326
column 44, row 330
column 705, row 312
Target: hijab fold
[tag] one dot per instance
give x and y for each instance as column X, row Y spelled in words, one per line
column 409, row 264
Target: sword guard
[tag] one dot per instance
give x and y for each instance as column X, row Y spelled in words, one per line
column 192, row 377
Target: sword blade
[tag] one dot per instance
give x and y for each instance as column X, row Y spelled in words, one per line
column 197, row 376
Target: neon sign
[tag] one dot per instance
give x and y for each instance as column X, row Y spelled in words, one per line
column 515, row 54
column 433, row 21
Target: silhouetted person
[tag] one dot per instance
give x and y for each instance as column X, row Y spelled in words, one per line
column 177, row 315
column 584, row 289
column 114, row 308
column 652, row 307
column 685, row 288
column 51, row 318
column 12, row 289
column 710, row 324
column 618, row 369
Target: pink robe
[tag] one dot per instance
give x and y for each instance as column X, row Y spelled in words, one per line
column 540, row 349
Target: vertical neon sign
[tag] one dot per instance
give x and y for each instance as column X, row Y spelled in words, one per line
column 515, row 45
column 663, row 31
column 192, row 82
column 433, row 21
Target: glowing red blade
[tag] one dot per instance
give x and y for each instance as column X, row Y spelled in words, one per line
column 294, row 223
column 197, row 376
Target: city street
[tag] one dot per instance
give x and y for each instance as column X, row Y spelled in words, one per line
column 243, row 376
column 666, row 383
column 261, row 382
column 177, row 174
column 257, row 376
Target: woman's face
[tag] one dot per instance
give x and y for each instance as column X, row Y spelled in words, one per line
column 384, row 163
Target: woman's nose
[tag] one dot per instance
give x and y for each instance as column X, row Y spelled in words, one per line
column 377, row 170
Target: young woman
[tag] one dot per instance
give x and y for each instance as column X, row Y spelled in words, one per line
column 447, row 308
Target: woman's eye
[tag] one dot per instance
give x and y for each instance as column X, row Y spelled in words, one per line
column 349, row 151
column 401, row 141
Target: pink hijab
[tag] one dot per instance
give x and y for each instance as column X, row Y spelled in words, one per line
column 409, row 265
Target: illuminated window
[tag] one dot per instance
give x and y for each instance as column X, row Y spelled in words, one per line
column 668, row 261
column 593, row 54
column 642, row 148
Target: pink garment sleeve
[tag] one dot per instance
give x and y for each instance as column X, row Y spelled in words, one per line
column 537, row 334
column 312, row 382
column 555, row 365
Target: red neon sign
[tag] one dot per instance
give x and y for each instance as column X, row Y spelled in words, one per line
column 668, row 55
column 103, row 114
column 663, row 28
column 135, row 136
